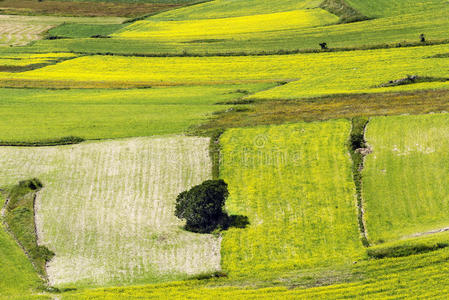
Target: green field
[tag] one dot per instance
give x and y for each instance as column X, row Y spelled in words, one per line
column 402, row 196
column 300, row 202
column 32, row 115
column 103, row 199
column 385, row 8
column 17, row 276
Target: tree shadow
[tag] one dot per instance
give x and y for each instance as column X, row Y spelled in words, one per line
column 238, row 221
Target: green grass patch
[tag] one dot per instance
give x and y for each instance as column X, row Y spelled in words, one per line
column 43, row 117
column 404, row 178
column 83, row 30
column 17, row 276
column 20, row 219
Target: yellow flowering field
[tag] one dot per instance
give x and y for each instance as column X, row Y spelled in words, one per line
column 227, row 27
column 294, row 182
column 309, row 75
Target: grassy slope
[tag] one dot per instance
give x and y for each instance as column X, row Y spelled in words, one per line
column 384, row 8
column 107, row 208
column 391, row 29
column 313, row 74
column 30, row 115
column 294, row 183
column 17, row 276
column 234, row 8
column 402, row 196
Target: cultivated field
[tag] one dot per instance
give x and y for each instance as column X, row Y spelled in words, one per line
column 33, row 115
column 228, row 27
column 404, row 178
column 294, row 183
column 311, row 74
column 330, row 216
column 21, row 30
column 399, row 23
column 106, row 208
column 234, row 8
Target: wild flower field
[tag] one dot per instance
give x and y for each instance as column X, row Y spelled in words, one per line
column 294, row 183
column 404, row 178
column 107, row 208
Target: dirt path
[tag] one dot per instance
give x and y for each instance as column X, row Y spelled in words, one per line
column 444, row 229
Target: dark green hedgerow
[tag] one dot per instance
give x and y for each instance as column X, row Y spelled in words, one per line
column 69, row 140
column 20, row 220
column 356, row 146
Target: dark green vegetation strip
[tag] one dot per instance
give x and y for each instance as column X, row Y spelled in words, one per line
column 69, row 140
column 340, row 8
column 20, row 219
column 83, row 30
column 358, row 150
column 412, row 246
column 143, row 48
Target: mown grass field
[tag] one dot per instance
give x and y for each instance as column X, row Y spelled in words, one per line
column 404, row 178
column 21, row 30
column 106, row 208
column 32, row 115
column 294, row 183
column 311, row 75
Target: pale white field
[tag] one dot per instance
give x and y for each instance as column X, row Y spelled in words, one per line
column 106, row 208
column 21, row 30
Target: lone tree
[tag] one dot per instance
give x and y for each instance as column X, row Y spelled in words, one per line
column 202, row 207
column 323, row 46
column 422, row 37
